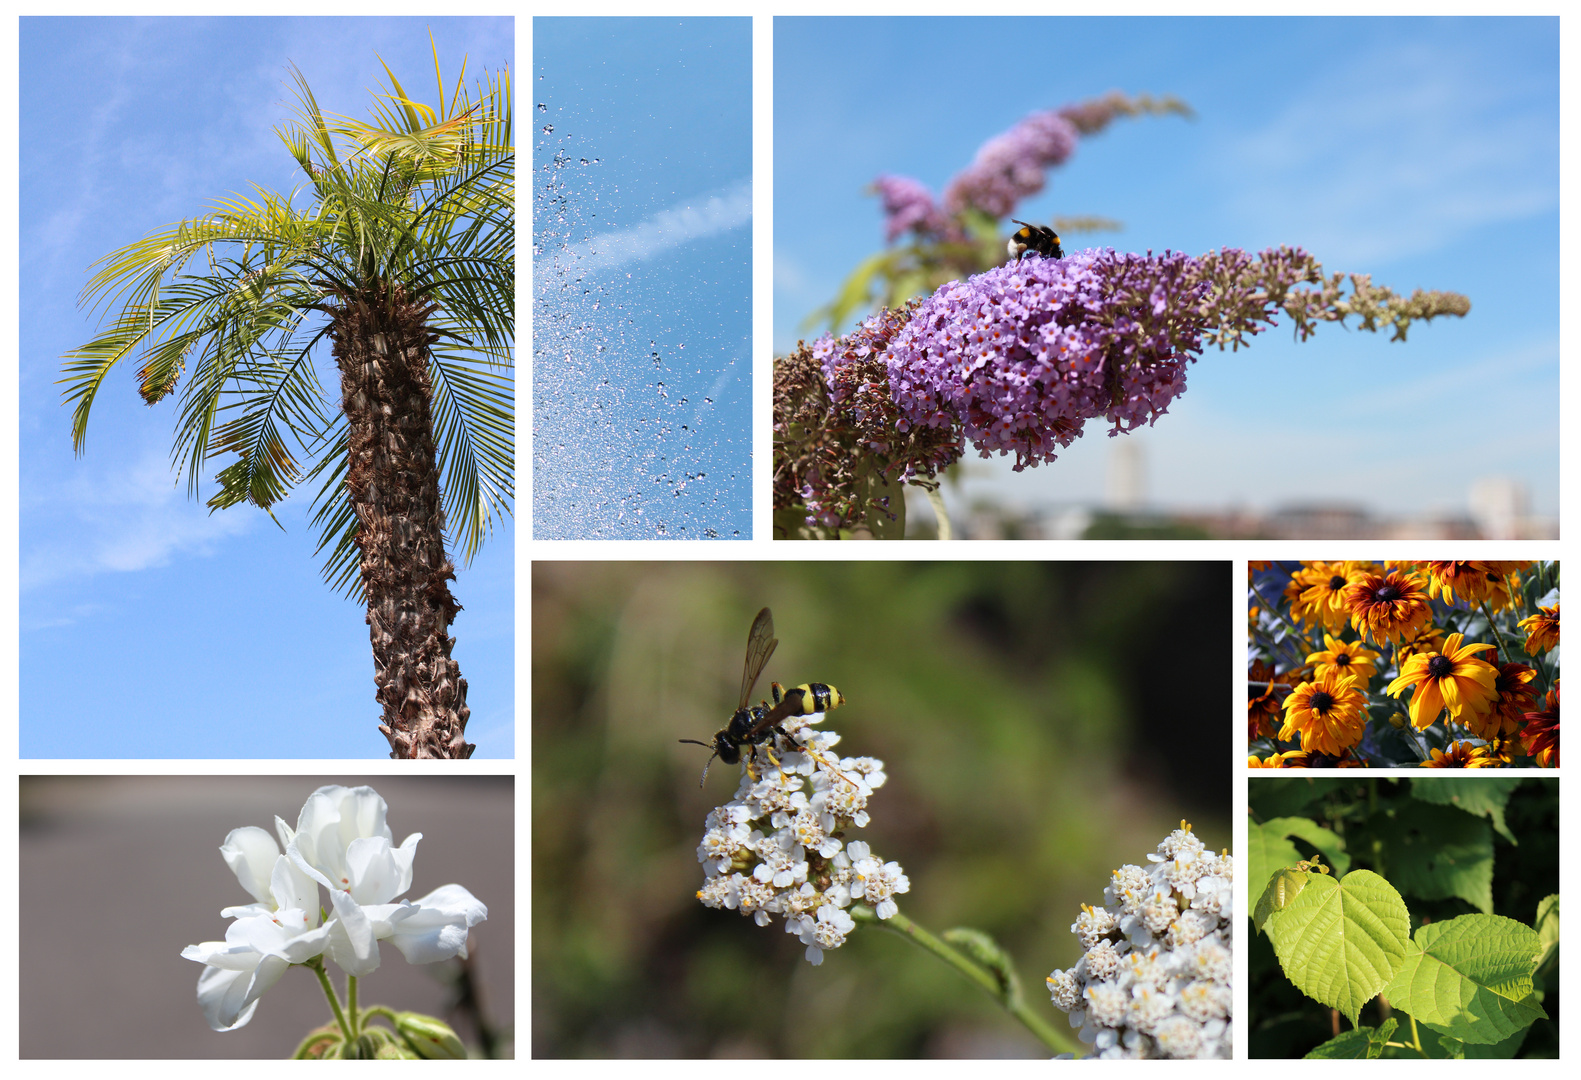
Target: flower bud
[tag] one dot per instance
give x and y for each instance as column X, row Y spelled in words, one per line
column 378, row 1044
column 430, row 1037
column 321, row 1043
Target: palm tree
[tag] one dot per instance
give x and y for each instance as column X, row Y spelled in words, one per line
column 403, row 258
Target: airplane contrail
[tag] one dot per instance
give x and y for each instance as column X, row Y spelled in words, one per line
column 694, row 219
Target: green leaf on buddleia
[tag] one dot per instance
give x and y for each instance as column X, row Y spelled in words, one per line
column 790, row 523
column 855, row 293
column 1357, row 1044
column 1470, row 978
column 1340, row 942
column 1483, row 796
column 1268, row 850
column 1547, row 928
column 1438, row 852
column 989, row 953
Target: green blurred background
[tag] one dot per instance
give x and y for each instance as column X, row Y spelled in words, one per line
column 1040, row 724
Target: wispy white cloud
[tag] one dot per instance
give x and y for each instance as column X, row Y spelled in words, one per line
column 127, row 519
column 694, row 219
column 1398, row 153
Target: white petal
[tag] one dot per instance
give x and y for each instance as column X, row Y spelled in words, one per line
column 377, row 872
column 250, row 852
column 291, row 888
column 437, row 928
column 331, row 819
column 236, row 976
column 222, row 995
column 352, row 943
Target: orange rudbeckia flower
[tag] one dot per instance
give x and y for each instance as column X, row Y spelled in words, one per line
column 1454, row 679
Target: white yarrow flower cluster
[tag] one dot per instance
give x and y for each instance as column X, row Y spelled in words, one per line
column 1155, row 979
column 340, row 842
column 778, row 847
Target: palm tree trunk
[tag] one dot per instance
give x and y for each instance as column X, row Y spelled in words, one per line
column 381, row 344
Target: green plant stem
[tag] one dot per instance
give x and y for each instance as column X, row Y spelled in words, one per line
column 1294, row 629
column 1274, row 609
column 351, row 1002
column 347, row 1025
column 898, row 924
column 384, row 1011
column 1504, row 649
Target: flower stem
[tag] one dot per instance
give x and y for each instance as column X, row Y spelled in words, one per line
column 936, row 497
column 351, row 1002
column 1498, row 638
column 346, row 1025
column 1006, row 995
column 1273, row 609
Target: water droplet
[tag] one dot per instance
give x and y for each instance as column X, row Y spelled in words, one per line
column 542, row 107
column 547, row 129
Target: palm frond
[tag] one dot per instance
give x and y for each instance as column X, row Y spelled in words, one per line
column 226, row 309
column 474, row 432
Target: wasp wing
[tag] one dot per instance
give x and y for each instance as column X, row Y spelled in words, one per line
column 790, row 706
column 760, row 646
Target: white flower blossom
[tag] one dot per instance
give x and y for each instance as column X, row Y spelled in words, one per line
column 776, row 840
column 1154, row 981
column 342, row 843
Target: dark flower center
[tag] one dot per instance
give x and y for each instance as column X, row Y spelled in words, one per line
column 1342, row 660
column 1322, row 701
column 1387, row 593
column 1336, row 583
column 1440, row 667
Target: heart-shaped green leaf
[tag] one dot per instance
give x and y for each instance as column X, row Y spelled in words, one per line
column 1340, row 942
column 1470, row 978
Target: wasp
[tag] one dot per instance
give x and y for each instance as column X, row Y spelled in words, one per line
column 752, row 726
column 1038, row 238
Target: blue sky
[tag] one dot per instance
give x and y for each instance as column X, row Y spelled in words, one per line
column 1423, row 152
column 642, row 316
column 150, row 628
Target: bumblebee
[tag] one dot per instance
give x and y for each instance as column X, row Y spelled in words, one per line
column 752, row 726
column 1038, row 238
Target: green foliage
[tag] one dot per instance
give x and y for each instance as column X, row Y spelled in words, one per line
column 1268, row 848
column 1437, row 853
column 1461, row 983
column 1483, row 796
column 1357, row 1043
